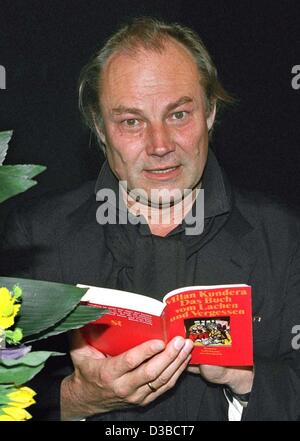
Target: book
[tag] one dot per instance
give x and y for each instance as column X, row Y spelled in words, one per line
column 218, row 319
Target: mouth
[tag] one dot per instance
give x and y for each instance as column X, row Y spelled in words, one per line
column 163, row 172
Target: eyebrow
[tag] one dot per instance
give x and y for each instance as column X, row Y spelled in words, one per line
column 180, row 102
column 134, row 110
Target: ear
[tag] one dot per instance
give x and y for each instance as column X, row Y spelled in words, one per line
column 100, row 130
column 101, row 135
column 211, row 117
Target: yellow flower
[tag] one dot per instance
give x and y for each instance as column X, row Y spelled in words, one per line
column 6, row 418
column 22, row 397
column 15, row 413
column 8, row 310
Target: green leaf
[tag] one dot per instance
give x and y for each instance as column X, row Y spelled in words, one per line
column 14, row 337
column 4, row 140
column 13, row 182
column 44, row 304
column 6, row 388
column 26, row 171
column 20, row 373
column 4, row 400
column 76, row 319
column 14, row 179
column 17, row 292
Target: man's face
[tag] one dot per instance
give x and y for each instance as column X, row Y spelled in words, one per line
column 155, row 124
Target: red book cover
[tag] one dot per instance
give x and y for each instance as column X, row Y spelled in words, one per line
column 217, row 318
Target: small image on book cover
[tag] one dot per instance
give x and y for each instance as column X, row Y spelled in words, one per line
column 209, row 332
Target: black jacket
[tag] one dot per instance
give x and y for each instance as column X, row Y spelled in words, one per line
column 252, row 240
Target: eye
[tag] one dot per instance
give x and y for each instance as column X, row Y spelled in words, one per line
column 132, row 122
column 179, row 115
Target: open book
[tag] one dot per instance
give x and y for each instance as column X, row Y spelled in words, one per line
column 217, row 318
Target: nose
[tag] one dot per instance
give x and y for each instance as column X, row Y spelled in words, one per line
column 159, row 142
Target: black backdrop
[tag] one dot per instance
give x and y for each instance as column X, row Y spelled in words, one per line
column 255, row 44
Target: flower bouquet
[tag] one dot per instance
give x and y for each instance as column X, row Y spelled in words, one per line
column 30, row 310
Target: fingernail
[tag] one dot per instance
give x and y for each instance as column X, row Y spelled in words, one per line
column 188, row 345
column 179, row 343
column 158, row 346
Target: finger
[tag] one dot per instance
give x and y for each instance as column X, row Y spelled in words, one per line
column 165, row 376
column 163, row 366
column 130, row 360
column 151, row 396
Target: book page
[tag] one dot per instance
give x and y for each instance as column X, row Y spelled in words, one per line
column 122, row 299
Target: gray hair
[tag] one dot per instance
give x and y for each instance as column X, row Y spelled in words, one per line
column 150, row 34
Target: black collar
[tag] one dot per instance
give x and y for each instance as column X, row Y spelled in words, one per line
column 217, row 193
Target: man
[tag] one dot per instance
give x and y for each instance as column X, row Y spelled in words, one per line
column 151, row 96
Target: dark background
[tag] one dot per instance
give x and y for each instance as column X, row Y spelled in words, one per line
column 255, row 44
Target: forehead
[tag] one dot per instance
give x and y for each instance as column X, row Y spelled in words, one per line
column 143, row 72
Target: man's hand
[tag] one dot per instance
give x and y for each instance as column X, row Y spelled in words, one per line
column 239, row 379
column 102, row 384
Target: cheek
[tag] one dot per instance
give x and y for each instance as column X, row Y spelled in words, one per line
column 192, row 139
column 125, row 158
column 123, row 147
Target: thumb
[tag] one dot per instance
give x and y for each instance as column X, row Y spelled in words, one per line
column 194, row 369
